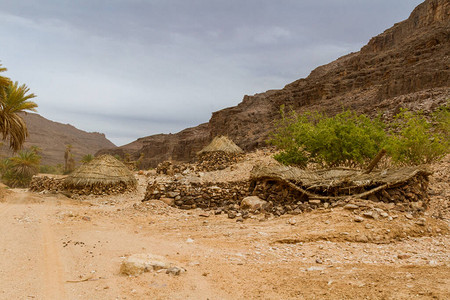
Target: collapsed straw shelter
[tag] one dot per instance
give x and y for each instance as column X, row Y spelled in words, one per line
column 219, row 154
column 103, row 175
column 289, row 185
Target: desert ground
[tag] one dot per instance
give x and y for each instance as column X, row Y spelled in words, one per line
column 55, row 247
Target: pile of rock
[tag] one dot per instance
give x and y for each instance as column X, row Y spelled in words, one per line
column 217, row 160
column 284, row 199
column 190, row 195
column 169, row 168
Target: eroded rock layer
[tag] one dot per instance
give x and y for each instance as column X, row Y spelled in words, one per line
column 405, row 66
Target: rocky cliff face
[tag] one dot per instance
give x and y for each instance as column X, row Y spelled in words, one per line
column 53, row 137
column 180, row 147
column 407, row 65
column 411, row 57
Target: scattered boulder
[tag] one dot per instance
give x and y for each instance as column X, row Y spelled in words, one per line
column 358, row 219
column 139, row 263
column 231, row 214
column 253, row 203
column 168, row 201
column 351, row 206
column 371, row 214
column 175, row 271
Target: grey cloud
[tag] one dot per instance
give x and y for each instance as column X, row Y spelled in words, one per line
column 169, row 64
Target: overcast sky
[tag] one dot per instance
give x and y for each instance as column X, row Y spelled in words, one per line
column 132, row 68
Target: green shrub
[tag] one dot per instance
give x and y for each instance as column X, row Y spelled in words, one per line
column 18, row 171
column 292, row 157
column 415, row 141
column 347, row 139
column 441, row 119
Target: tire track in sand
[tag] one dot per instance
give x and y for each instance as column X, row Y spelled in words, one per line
column 40, row 242
column 51, row 260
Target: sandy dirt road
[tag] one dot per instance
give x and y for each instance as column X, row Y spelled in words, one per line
column 30, row 264
column 53, row 247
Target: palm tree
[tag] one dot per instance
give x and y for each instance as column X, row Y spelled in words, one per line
column 68, row 158
column 13, row 100
column 4, row 82
column 19, row 170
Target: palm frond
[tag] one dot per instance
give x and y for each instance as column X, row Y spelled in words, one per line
column 4, row 82
column 15, row 99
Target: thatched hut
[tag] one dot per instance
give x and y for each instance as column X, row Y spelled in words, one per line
column 103, row 175
column 219, row 154
column 221, row 144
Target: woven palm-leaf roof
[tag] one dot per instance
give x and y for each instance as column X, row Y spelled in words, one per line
column 337, row 183
column 104, row 170
column 222, row 143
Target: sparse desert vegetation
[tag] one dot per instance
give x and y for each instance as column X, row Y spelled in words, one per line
column 344, row 195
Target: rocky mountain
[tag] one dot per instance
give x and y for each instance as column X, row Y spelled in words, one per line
column 405, row 66
column 53, row 137
column 181, row 146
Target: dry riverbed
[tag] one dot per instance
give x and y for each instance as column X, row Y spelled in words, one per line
column 54, row 247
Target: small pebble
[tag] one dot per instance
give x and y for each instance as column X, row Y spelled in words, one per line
column 292, row 222
column 351, row 206
column 403, row 256
column 358, row 219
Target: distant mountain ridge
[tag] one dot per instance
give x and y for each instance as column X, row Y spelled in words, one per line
column 53, row 137
column 405, row 66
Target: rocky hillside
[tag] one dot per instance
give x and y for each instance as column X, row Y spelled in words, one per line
column 180, row 147
column 52, row 138
column 405, row 66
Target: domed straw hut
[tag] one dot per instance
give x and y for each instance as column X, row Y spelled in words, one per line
column 219, row 154
column 223, row 144
column 103, row 175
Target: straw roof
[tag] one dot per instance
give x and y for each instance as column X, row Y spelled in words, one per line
column 328, row 180
column 221, row 143
column 337, row 177
column 104, row 170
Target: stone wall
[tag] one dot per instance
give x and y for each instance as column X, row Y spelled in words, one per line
column 198, row 195
column 57, row 185
column 47, row 184
column 281, row 199
column 206, row 162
